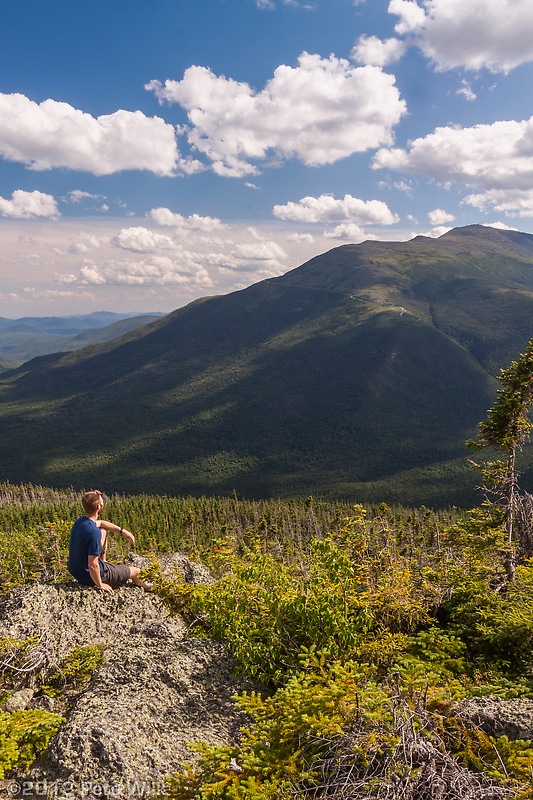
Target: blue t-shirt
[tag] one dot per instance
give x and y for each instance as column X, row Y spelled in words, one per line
column 85, row 541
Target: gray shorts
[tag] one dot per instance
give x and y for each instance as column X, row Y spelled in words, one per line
column 115, row 574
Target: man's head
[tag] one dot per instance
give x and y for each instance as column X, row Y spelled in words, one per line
column 92, row 501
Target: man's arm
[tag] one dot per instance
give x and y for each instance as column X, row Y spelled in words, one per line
column 94, row 572
column 110, row 526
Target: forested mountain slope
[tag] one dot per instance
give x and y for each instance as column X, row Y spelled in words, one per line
column 359, row 374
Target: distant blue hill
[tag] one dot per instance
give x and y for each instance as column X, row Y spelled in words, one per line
column 27, row 337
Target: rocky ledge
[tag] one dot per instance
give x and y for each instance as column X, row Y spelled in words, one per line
column 497, row 717
column 158, row 689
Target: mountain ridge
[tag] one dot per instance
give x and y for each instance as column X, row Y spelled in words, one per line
column 358, row 374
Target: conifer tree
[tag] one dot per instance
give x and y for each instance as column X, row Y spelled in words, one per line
column 505, row 430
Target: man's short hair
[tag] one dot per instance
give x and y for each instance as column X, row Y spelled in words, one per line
column 90, row 500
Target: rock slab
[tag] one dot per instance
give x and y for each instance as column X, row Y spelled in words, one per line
column 158, row 690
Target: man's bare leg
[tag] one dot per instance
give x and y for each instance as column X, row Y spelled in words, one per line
column 134, row 575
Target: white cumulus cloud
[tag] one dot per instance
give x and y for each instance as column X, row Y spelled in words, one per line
column 260, row 251
column 371, row 50
column 492, row 34
column 349, row 231
column 142, row 240
column 256, row 253
column 438, row 216
column 155, row 270
column 500, row 225
column 29, row 205
column 496, row 158
column 89, row 274
column 195, row 222
column 327, row 208
column 53, row 134
column 439, row 230
column 515, row 202
column 412, row 16
column 140, row 256
column 320, row 111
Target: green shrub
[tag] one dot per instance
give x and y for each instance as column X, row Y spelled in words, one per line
column 337, row 599
column 39, row 553
column 23, row 735
column 337, row 730
column 504, row 630
column 75, row 669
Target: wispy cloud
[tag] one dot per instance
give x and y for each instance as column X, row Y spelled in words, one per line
column 466, row 91
column 271, row 4
column 77, row 195
column 56, row 294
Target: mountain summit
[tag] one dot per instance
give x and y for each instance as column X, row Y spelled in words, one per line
column 359, row 375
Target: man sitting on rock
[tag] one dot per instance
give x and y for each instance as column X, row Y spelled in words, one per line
column 88, row 549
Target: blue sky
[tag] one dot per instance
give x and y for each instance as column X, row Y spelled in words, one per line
column 155, row 151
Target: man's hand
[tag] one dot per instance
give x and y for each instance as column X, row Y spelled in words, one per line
column 105, row 587
column 128, row 536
